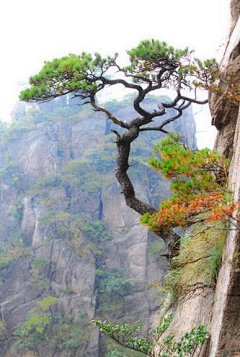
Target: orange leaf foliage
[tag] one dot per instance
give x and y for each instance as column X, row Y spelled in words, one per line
column 199, row 187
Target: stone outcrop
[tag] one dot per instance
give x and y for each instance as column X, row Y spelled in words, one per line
column 225, row 329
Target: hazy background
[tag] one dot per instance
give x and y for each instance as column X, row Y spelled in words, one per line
column 33, row 31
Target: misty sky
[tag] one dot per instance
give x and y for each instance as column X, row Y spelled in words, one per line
column 33, row 31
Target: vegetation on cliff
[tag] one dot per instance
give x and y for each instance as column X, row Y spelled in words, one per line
column 130, row 336
column 44, row 326
column 201, row 206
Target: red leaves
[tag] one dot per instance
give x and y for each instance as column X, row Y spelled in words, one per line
column 202, row 203
column 212, row 206
column 231, row 211
column 199, row 186
column 184, row 213
column 173, row 216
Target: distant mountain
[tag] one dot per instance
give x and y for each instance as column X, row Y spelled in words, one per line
column 70, row 249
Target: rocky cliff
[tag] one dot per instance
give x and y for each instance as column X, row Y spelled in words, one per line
column 217, row 307
column 70, row 249
column 225, row 328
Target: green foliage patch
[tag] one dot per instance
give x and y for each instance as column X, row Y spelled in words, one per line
column 199, row 192
column 45, row 327
column 198, row 261
column 130, row 336
column 69, row 226
column 113, row 282
column 12, row 250
column 12, row 174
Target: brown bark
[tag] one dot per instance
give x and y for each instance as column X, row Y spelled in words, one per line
column 170, row 238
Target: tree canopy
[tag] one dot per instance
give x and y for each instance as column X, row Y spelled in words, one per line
column 153, row 65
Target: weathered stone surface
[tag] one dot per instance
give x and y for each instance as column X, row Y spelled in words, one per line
column 225, row 339
column 235, row 11
column 194, row 310
column 225, row 328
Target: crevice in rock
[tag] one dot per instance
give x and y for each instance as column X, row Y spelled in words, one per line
column 236, row 51
column 100, row 207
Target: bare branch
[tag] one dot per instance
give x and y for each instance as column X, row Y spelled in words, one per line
column 116, row 121
column 123, row 82
column 141, row 78
column 116, row 133
column 138, row 88
column 194, row 100
column 167, row 121
column 154, row 128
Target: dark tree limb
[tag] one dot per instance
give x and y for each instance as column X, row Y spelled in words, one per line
column 138, row 77
column 170, row 238
column 110, row 116
column 124, row 144
column 169, row 120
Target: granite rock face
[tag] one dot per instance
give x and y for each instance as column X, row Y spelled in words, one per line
column 49, row 253
column 218, row 309
column 225, row 329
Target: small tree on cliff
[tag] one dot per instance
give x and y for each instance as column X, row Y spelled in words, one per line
column 153, row 65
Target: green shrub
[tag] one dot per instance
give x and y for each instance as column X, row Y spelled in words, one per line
column 131, row 336
column 12, row 250
column 198, row 260
column 44, row 327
